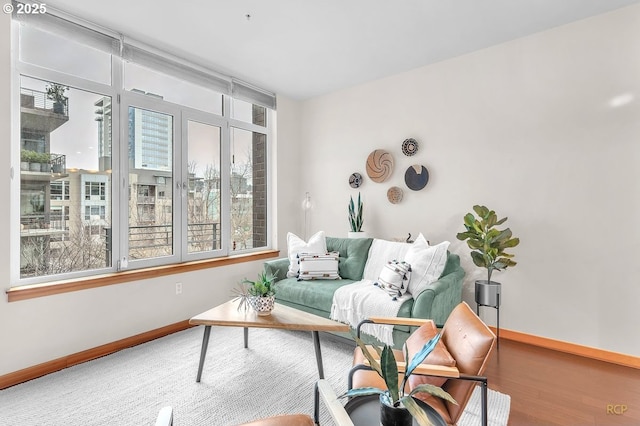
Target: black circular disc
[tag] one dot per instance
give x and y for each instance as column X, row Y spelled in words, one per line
column 416, row 177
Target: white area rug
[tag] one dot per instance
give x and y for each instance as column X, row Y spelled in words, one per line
column 275, row 375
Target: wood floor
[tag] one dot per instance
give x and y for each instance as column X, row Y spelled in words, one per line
column 553, row 388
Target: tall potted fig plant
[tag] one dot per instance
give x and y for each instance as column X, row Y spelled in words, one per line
column 488, row 245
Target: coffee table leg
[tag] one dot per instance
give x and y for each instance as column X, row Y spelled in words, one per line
column 203, row 351
column 246, row 337
column 316, row 344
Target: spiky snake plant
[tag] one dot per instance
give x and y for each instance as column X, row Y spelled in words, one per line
column 355, row 216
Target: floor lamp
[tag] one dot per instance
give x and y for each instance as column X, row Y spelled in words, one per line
column 306, row 206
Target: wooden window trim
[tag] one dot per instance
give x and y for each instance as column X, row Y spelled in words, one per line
column 25, row 292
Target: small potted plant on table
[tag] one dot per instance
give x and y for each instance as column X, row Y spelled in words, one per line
column 261, row 295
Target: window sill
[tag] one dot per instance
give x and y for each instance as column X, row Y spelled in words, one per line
column 15, row 294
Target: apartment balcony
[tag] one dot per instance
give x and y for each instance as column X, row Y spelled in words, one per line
column 38, row 113
column 42, row 166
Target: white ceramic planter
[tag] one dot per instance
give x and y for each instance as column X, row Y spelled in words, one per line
column 360, row 234
column 262, row 305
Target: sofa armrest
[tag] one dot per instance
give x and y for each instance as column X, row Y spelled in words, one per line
column 277, row 267
column 439, row 298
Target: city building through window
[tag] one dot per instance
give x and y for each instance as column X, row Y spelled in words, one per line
column 165, row 169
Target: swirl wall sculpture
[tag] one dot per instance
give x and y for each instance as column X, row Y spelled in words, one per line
column 379, row 165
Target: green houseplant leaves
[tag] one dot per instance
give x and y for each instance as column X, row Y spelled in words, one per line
column 487, row 243
column 387, row 368
column 355, row 215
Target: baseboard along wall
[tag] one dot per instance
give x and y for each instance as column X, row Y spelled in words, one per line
column 570, row 348
column 48, row 367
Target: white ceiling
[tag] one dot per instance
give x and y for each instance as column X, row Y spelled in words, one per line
column 303, row 49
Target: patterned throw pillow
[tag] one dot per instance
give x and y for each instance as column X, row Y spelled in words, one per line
column 296, row 245
column 318, row 266
column 394, row 278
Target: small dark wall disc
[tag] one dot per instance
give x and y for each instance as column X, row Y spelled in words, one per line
column 355, row 180
column 416, row 177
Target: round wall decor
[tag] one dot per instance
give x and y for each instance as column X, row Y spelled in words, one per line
column 355, row 180
column 416, row 177
column 394, row 195
column 379, row 165
column 409, row 147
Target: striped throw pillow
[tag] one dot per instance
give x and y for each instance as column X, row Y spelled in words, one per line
column 394, row 278
column 318, row 266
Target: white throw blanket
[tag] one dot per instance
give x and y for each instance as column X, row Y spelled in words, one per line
column 354, row 302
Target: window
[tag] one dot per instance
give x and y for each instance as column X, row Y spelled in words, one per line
column 191, row 148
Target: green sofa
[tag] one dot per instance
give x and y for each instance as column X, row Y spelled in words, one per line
column 316, row 297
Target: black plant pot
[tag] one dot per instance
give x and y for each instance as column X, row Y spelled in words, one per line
column 488, row 293
column 394, row 416
column 58, row 107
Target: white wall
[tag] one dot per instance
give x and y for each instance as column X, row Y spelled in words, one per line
column 43, row 329
column 528, row 129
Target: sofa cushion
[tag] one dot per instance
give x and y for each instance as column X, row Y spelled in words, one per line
column 317, row 294
column 296, row 245
column 427, row 263
column 353, row 255
column 439, row 356
column 318, row 266
column 394, row 278
column 381, row 252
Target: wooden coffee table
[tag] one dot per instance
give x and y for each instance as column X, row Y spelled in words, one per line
column 282, row 316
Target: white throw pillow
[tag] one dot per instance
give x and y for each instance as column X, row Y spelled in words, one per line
column 296, row 245
column 394, row 278
column 427, row 263
column 381, row 252
column 318, row 266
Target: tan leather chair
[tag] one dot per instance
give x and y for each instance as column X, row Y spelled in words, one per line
column 335, row 408
column 469, row 341
column 290, row 420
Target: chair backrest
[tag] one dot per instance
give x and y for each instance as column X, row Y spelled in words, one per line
column 471, row 343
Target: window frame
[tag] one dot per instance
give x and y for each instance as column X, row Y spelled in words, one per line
column 119, row 197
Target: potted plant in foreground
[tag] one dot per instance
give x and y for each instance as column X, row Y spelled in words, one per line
column 355, row 219
column 261, row 294
column 488, row 246
column 396, row 407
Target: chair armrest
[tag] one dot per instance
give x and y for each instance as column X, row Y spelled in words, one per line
column 165, row 417
column 422, row 369
column 336, row 410
column 277, row 267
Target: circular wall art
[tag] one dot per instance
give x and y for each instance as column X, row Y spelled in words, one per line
column 394, row 195
column 355, row 180
column 409, row 147
column 416, row 177
column 379, row 165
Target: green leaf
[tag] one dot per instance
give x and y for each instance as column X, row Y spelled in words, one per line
column 361, row 392
column 390, row 372
column 478, row 259
column 416, row 411
column 433, row 390
column 372, row 361
column 481, row 211
column 422, row 354
column 501, row 221
column 469, row 219
column 511, row 243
